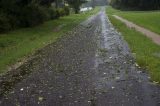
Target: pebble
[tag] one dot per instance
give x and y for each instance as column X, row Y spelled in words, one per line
column 136, row 64
column 21, row 89
column 40, row 98
column 117, row 78
column 89, row 101
column 113, row 87
column 110, row 57
column 139, row 72
column 155, row 82
column 60, row 97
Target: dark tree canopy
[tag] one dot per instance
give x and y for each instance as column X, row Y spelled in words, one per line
column 27, row 13
column 46, row 2
column 75, row 4
column 136, row 4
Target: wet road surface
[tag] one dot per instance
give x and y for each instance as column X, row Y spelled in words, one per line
column 90, row 66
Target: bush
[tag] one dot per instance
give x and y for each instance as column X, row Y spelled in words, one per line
column 53, row 13
column 61, row 12
column 18, row 14
column 67, row 10
column 33, row 15
column 136, row 4
column 4, row 23
column 64, row 11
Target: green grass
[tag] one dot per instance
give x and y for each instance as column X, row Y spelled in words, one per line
column 147, row 52
column 149, row 20
column 16, row 45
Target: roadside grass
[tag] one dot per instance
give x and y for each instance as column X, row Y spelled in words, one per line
column 146, row 52
column 147, row 19
column 18, row 44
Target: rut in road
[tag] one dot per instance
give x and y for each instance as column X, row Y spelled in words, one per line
column 93, row 66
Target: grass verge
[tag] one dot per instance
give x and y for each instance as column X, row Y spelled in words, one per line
column 16, row 45
column 147, row 19
column 147, row 52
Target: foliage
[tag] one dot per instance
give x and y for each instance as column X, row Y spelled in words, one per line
column 67, row 10
column 46, row 2
column 33, row 15
column 27, row 13
column 61, row 11
column 136, row 4
column 4, row 23
column 75, row 4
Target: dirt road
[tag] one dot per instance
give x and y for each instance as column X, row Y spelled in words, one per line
column 93, row 66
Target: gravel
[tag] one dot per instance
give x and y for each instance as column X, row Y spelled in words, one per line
column 91, row 66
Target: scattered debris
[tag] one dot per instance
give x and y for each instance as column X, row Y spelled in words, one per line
column 110, row 57
column 136, row 65
column 21, row 89
column 60, row 96
column 40, row 98
column 117, row 78
column 155, row 82
column 113, row 87
column 89, row 101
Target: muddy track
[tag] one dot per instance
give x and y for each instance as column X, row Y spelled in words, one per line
column 92, row 66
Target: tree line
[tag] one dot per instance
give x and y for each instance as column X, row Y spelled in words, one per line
column 27, row 13
column 136, row 4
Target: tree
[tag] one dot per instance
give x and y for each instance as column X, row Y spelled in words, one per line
column 93, row 3
column 75, row 4
column 46, row 2
column 24, row 13
column 136, row 4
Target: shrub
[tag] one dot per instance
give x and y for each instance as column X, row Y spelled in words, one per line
column 53, row 13
column 18, row 14
column 33, row 15
column 64, row 11
column 61, row 12
column 67, row 10
column 4, row 23
column 136, row 4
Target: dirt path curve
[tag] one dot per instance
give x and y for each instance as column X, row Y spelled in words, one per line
column 154, row 36
column 93, row 66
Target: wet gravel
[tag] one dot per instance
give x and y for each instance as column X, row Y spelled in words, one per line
column 90, row 66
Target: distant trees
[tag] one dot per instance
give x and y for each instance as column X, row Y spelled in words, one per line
column 75, row 4
column 27, row 13
column 136, row 4
column 46, row 2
